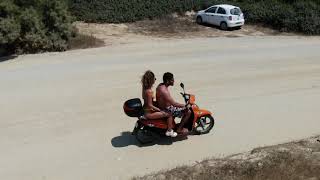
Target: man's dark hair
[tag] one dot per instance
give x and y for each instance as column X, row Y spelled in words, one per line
column 167, row 77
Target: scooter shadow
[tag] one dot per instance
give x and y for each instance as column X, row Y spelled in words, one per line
column 127, row 139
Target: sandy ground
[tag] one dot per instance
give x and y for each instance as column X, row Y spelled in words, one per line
column 61, row 114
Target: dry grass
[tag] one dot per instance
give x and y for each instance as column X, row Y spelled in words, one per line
column 175, row 26
column 171, row 26
column 82, row 41
column 165, row 26
column 292, row 161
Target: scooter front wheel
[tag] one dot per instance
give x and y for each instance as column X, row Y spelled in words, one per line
column 144, row 136
column 204, row 124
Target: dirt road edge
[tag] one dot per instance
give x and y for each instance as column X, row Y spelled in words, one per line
column 294, row 160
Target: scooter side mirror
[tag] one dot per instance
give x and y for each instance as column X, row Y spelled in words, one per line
column 182, row 85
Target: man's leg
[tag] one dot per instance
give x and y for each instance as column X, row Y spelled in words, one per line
column 184, row 120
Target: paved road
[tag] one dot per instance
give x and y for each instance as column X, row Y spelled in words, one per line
column 61, row 114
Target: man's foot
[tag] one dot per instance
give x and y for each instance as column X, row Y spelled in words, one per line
column 171, row 133
column 182, row 131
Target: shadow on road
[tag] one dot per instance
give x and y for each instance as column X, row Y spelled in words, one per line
column 218, row 28
column 127, row 139
column 7, row 58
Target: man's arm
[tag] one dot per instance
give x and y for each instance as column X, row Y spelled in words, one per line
column 167, row 97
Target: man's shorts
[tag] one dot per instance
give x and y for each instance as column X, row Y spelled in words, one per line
column 175, row 111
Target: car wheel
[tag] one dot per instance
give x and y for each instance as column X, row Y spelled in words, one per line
column 199, row 20
column 224, row 26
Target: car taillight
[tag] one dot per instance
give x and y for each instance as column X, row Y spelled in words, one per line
column 230, row 18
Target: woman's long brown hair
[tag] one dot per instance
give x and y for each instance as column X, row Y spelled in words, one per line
column 147, row 80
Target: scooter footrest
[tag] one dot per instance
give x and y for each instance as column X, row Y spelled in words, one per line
column 142, row 118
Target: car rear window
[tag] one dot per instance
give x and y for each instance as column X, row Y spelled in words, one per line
column 235, row 11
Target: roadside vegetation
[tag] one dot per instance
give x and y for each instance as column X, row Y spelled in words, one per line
column 29, row 26
column 283, row 15
column 83, row 41
column 291, row 161
column 32, row 26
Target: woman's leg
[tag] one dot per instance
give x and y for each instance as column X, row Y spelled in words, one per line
column 157, row 115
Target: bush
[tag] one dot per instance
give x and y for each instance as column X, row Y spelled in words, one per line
column 9, row 30
column 9, row 26
column 117, row 11
column 34, row 26
column 33, row 33
column 308, row 17
column 285, row 15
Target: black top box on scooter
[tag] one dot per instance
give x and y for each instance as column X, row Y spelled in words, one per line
column 133, row 107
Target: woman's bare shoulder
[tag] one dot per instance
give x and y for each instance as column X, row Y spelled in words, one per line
column 148, row 91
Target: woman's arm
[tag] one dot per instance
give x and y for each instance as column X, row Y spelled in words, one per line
column 150, row 101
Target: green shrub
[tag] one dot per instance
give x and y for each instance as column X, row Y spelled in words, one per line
column 33, row 33
column 116, row 11
column 285, row 15
column 34, row 26
column 9, row 30
column 308, row 17
column 9, row 26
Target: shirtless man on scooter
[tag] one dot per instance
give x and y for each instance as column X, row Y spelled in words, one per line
column 166, row 102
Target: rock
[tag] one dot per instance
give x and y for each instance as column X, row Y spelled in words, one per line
column 175, row 15
column 190, row 13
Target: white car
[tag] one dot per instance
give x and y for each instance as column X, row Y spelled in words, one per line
column 223, row 15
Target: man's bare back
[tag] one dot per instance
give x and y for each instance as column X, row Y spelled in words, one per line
column 161, row 92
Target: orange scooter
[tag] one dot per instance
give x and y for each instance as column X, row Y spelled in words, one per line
column 147, row 130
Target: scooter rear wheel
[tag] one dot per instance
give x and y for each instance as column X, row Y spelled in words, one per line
column 204, row 124
column 144, row 136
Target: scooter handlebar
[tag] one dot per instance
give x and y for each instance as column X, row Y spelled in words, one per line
column 186, row 97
